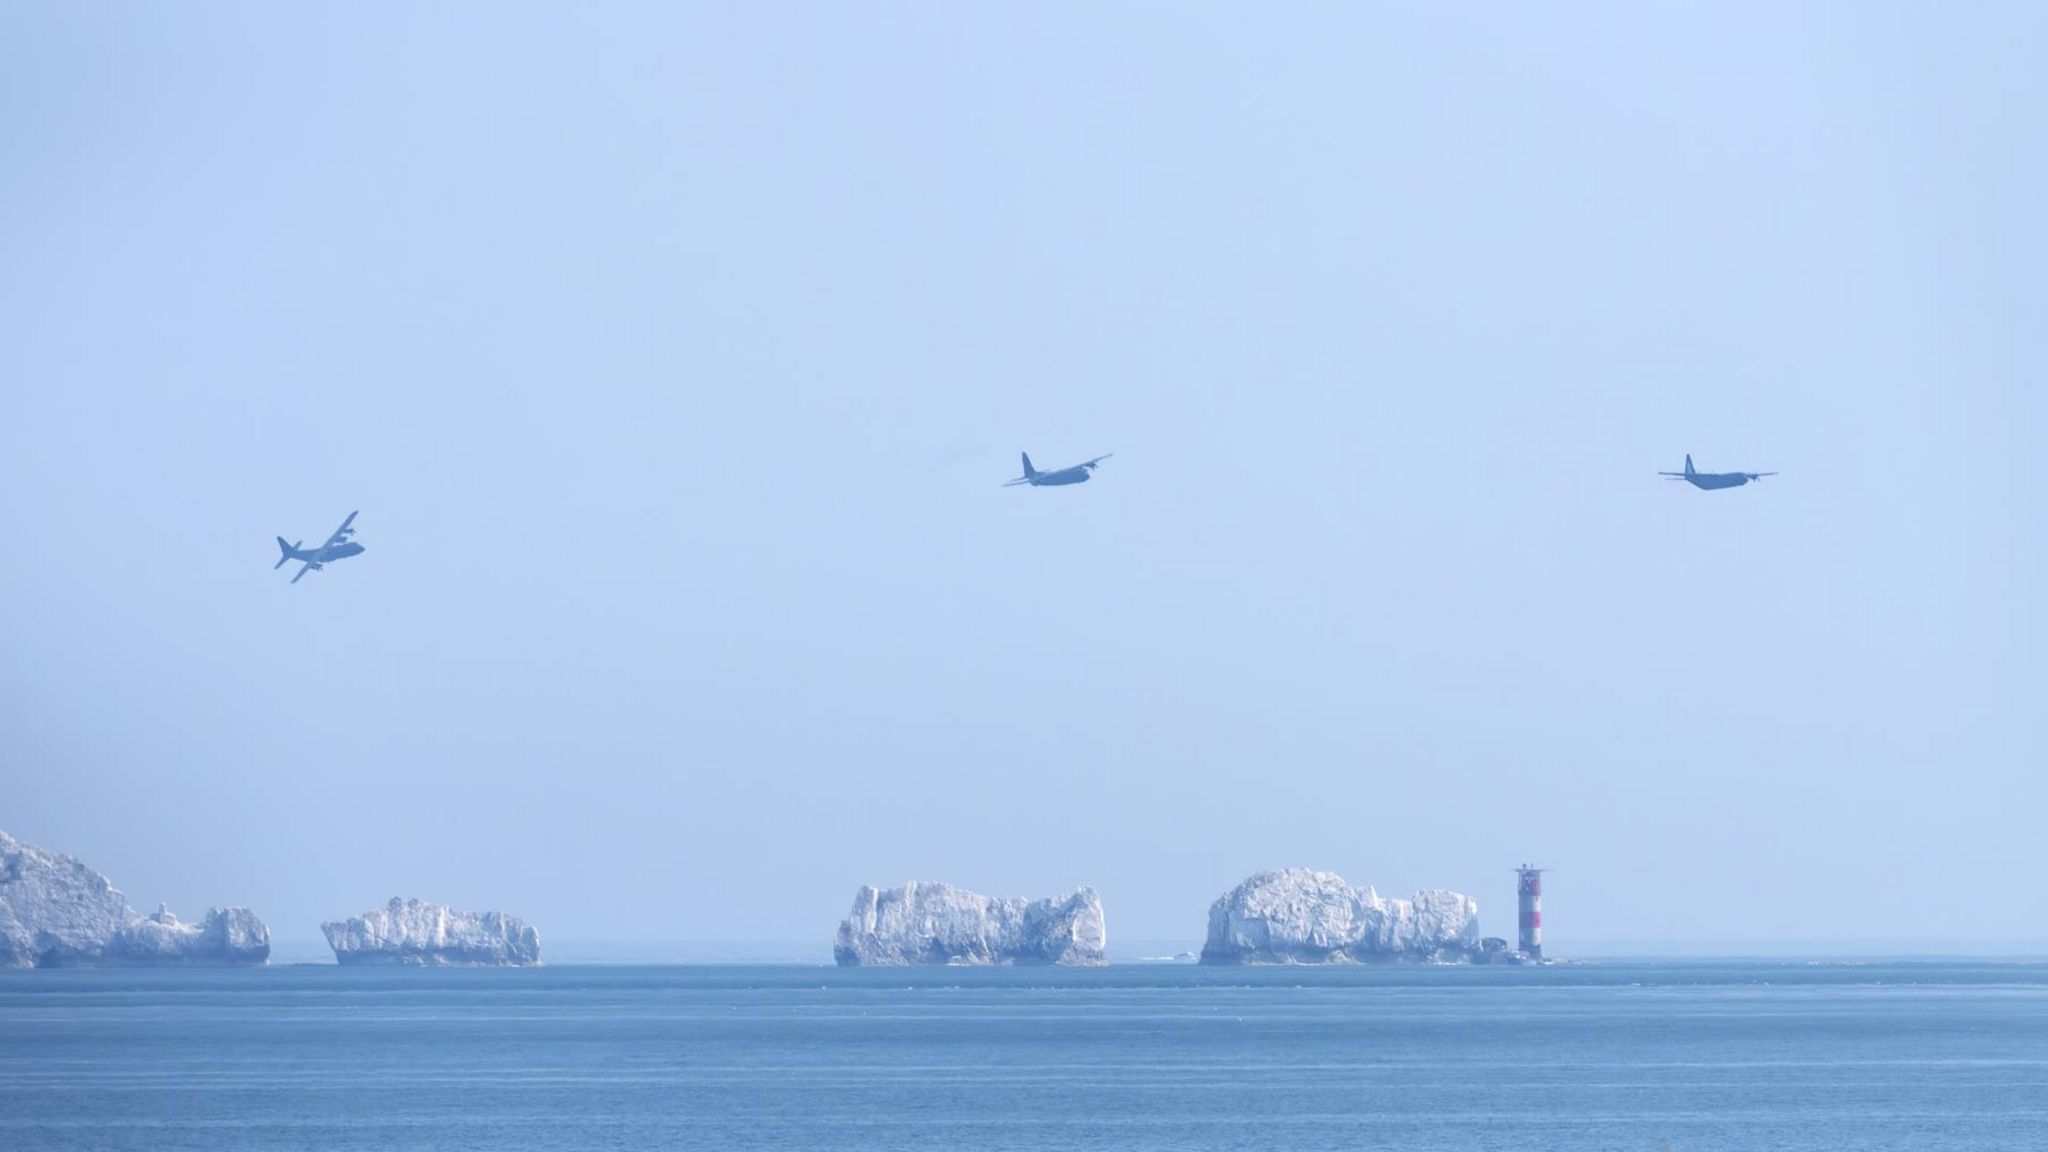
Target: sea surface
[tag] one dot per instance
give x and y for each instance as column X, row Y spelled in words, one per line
column 1784, row 1055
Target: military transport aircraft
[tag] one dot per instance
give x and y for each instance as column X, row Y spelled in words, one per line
column 1078, row 474
column 337, row 547
column 1714, row 479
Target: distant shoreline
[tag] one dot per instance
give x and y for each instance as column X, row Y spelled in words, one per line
column 582, row 958
column 1588, row 972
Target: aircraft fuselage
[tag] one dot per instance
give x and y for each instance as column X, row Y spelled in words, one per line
column 1712, row 480
column 333, row 552
column 1072, row 474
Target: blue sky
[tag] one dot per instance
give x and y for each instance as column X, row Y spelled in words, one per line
column 674, row 358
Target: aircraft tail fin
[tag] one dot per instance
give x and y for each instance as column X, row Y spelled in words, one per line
column 286, row 550
column 1688, row 464
column 1029, row 471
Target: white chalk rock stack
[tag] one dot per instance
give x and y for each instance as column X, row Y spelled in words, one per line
column 55, row 912
column 416, row 933
column 924, row 923
column 1299, row 916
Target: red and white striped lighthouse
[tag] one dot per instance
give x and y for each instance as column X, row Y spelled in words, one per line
column 1529, row 935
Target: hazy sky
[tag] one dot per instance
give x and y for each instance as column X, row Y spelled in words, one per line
column 675, row 355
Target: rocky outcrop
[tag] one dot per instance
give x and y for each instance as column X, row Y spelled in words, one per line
column 414, row 932
column 1495, row 950
column 55, row 912
column 226, row 936
column 941, row 924
column 1297, row 916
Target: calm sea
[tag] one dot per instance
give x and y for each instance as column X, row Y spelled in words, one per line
column 1733, row 1055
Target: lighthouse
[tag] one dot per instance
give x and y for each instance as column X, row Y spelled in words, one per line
column 1529, row 922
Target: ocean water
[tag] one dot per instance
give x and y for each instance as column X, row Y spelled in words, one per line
column 1789, row 1056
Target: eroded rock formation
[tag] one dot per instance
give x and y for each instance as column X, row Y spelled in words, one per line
column 414, row 932
column 1298, row 916
column 56, row 912
column 940, row 924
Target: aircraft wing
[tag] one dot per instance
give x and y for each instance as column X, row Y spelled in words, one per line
column 1094, row 462
column 309, row 566
column 340, row 534
column 1017, row 481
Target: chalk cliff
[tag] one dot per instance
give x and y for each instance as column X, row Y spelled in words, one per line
column 1297, row 916
column 414, row 932
column 56, row 912
column 940, row 924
